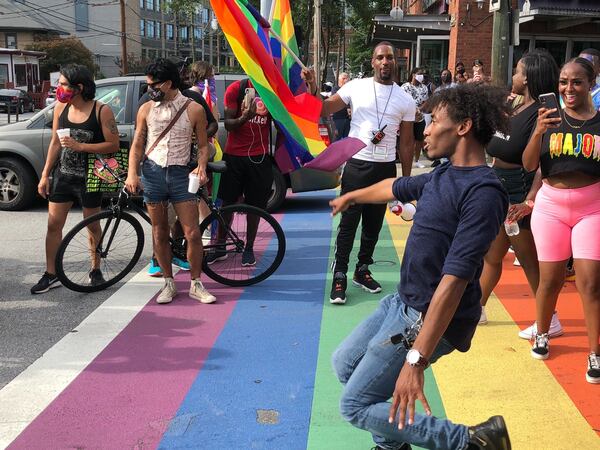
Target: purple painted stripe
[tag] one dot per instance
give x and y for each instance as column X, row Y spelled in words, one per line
column 127, row 396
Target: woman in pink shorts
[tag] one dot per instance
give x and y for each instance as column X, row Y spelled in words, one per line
column 566, row 216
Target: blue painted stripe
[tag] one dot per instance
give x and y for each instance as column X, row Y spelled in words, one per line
column 255, row 390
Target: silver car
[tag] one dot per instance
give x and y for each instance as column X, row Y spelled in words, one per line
column 24, row 146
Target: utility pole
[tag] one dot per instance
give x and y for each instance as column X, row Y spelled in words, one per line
column 123, row 39
column 317, row 43
column 501, row 43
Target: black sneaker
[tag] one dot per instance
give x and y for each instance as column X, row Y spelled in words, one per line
column 489, row 435
column 248, row 258
column 540, row 349
column 215, row 255
column 363, row 279
column 96, row 277
column 47, row 282
column 593, row 373
column 338, row 289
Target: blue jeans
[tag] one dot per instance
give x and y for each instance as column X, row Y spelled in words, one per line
column 162, row 184
column 368, row 367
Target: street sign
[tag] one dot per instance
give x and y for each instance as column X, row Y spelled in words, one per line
column 495, row 5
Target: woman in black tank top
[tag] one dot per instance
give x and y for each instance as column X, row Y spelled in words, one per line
column 536, row 73
column 92, row 130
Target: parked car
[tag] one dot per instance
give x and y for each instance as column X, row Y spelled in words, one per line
column 51, row 98
column 17, row 99
column 24, row 146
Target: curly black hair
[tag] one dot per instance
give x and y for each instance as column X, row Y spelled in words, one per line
column 485, row 105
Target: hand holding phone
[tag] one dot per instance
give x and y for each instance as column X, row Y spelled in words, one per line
column 248, row 98
column 549, row 115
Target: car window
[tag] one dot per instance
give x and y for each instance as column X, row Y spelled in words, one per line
column 115, row 96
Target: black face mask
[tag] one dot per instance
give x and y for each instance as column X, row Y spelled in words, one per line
column 446, row 78
column 156, row 95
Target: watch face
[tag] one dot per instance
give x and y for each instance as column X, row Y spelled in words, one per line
column 413, row 356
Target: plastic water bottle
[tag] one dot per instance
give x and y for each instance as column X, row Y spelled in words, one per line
column 406, row 211
column 512, row 228
column 396, row 207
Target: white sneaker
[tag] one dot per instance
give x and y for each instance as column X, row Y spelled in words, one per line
column 168, row 292
column 206, row 236
column 555, row 329
column 483, row 318
column 199, row 292
column 516, row 262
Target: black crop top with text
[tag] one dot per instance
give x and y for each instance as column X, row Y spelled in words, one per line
column 510, row 148
column 572, row 147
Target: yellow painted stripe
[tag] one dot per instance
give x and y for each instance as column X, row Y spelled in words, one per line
column 498, row 376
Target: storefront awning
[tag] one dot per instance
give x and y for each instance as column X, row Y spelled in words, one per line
column 403, row 33
column 564, row 13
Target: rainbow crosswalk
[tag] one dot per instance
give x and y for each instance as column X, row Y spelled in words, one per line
column 253, row 371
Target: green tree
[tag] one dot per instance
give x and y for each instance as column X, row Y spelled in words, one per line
column 60, row 52
column 361, row 22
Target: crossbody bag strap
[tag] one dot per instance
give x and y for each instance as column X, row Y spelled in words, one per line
column 166, row 130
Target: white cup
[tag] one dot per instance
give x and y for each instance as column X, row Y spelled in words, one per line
column 193, row 184
column 408, row 211
column 63, row 132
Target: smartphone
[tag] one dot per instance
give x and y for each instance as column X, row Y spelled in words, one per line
column 249, row 97
column 549, row 101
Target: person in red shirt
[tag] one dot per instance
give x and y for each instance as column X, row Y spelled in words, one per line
column 246, row 152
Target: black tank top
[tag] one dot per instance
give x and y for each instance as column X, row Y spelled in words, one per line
column 74, row 163
column 510, row 147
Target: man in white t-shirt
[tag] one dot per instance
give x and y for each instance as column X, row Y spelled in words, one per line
column 382, row 117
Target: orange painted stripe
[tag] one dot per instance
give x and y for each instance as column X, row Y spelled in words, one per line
column 568, row 353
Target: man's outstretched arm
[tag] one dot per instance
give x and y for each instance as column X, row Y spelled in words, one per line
column 377, row 193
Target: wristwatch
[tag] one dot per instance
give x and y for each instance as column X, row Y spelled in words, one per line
column 529, row 203
column 415, row 359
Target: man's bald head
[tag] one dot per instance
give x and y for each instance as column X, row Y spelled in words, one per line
column 386, row 44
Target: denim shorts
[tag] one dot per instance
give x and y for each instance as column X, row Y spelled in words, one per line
column 517, row 183
column 162, row 184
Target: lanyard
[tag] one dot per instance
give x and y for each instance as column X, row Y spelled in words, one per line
column 386, row 105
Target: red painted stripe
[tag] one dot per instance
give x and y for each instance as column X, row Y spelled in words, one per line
column 126, row 397
column 568, row 357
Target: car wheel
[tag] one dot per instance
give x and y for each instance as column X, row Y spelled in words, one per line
column 17, row 185
column 278, row 190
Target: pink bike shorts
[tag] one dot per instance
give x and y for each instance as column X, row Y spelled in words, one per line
column 567, row 221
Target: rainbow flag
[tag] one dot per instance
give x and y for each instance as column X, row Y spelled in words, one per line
column 283, row 25
column 297, row 117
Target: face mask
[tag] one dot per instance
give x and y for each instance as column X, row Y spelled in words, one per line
column 446, row 78
column 64, row 96
column 461, row 70
column 419, row 78
column 156, row 95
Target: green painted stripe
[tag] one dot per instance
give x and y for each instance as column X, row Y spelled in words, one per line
column 327, row 428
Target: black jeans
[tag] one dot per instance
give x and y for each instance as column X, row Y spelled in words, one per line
column 357, row 175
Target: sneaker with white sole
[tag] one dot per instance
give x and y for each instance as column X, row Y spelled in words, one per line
column 338, row 289
column 182, row 264
column 593, row 373
column 555, row 329
column 540, row 348
column 199, row 292
column 154, row 269
column 419, row 165
column 168, row 291
column 248, row 258
column 483, row 318
column 214, row 255
column 47, row 282
column 363, row 279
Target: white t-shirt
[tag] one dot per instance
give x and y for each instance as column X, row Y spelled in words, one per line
column 359, row 94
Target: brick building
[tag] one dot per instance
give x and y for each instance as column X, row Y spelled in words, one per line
column 439, row 33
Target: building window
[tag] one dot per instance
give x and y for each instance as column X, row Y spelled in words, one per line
column 157, row 5
column 197, row 33
column 11, row 40
column 150, row 28
column 144, row 54
column 142, row 27
column 81, row 15
column 150, row 5
column 3, row 75
column 557, row 48
column 183, row 34
column 20, row 75
column 142, row 4
column 170, row 31
column 157, row 27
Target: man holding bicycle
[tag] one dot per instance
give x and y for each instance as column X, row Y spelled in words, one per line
column 164, row 130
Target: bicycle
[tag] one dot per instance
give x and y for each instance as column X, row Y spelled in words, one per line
column 112, row 241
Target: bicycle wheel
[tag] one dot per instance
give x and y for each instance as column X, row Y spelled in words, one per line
column 229, row 238
column 117, row 249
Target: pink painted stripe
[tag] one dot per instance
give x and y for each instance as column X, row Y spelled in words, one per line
column 126, row 397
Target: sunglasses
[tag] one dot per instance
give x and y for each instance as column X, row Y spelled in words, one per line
column 156, row 83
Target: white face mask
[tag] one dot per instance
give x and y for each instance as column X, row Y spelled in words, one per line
column 419, row 78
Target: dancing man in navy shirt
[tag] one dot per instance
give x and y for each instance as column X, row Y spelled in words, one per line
column 461, row 206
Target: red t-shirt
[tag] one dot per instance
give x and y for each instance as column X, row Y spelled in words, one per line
column 252, row 138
